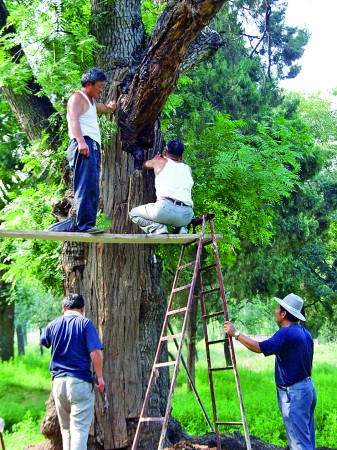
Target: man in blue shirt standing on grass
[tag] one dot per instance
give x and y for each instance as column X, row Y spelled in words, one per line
column 293, row 348
column 75, row 345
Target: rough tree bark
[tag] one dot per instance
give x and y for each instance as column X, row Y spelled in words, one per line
column 121, row 283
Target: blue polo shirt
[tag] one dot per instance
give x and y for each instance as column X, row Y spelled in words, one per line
column 72, row 338
column 293, row 348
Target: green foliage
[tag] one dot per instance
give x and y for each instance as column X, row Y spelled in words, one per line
column 150, row 11
column 31, row 210
column 279, row 46
column 13, row 145
column 24, row 432
column 288, row 45
column 108, row 130
column 24, row 387
column 34, row 307
column 55, row 37
column 246, row 174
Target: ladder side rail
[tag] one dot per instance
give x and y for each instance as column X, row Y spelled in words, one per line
column 193, row 387
column 189, row 302
column 231, row 346
column 157, row 356
column 209, row 361
column 219, row 272
column 146, row 401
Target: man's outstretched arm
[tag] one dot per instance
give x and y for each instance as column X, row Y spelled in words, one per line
column 249, row 343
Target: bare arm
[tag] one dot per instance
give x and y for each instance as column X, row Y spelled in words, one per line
column 97, row 360
column 249, row 343
column 108, row 108
column 75, row 108
column 157, row 164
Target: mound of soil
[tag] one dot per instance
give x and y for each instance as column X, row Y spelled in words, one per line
column 234, row 441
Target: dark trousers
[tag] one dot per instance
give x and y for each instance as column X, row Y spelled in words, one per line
column 86, row 173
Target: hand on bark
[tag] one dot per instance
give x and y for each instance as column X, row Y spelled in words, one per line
column 111, row 105
column 100, row 384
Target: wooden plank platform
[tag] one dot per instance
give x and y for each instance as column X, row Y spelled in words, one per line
column 105, row 237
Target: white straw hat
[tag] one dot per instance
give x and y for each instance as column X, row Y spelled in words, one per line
column 293, row 304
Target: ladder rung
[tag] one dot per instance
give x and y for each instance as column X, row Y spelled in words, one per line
column 208, row 267
column 214, row 369
column 217, row 341
column 164, row 364
column 229, row 423
column 184, row 266
column 171, row 336
column 181, row 288
column 176, row 311
column 219, row 313
column 211, row 291
column 152, row 419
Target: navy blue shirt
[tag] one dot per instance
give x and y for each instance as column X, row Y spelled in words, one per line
column 72, row 338
column 293, row 348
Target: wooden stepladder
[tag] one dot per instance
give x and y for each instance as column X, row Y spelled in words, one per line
column 179, row 307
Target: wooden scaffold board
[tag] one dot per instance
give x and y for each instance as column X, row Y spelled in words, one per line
column 106, row 238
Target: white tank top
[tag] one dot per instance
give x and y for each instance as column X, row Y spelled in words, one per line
column 88, row 122
column 175, row 181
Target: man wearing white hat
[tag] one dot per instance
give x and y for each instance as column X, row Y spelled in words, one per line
column 293, row 348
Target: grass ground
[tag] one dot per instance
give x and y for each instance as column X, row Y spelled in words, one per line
column 256, row 374
column 25, row 387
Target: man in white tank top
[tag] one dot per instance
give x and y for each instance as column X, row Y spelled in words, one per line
column 84, row 147
column 173, row 182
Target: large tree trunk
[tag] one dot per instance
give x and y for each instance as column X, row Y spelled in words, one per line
column 120, row 283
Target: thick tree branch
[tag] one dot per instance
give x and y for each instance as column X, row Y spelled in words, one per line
column 31, row 111
column 158, row 72
column 202, row 48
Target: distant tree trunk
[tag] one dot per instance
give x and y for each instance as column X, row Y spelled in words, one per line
column 25, row 334
column 6, row 326
column 41, row 346
column 21, row 340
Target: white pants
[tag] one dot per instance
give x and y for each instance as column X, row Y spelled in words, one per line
column 74, row 401
column 152, row 215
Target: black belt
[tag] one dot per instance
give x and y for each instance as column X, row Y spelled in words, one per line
column 289, row 385
column 176, row 202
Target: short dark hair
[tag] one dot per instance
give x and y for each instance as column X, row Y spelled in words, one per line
column 73, row 301
column 92, row 75
column 175, row 147
column 290, row 316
